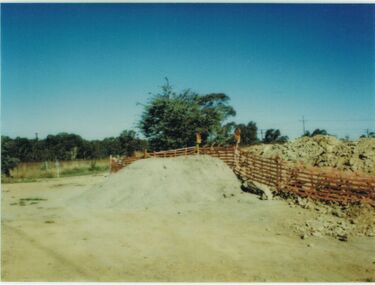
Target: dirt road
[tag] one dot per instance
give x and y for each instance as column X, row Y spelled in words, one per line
column 239, row 238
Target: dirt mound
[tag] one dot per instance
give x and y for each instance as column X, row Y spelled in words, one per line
column 324, row 151
column 164, row 182
column 337, row 221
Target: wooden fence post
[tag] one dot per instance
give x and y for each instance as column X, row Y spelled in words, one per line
column 110, row 163
column 278, row 173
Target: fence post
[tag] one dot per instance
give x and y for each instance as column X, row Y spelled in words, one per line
column 278, row 173
column 57, row 164
column 110, row 163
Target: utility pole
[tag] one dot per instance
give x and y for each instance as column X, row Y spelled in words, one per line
column 367, row 132
column 36, row 136
column 261, row 134
column 303, row 124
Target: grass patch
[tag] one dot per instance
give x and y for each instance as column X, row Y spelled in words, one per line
column 8, row 180
column 33, row 199
column 34, row 171
column 29, row 201
column 76, row 171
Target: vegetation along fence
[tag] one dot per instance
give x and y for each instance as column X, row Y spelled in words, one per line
column 281, row 176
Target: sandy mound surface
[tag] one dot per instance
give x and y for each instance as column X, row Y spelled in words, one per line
column 324, row 151
column 163, row 182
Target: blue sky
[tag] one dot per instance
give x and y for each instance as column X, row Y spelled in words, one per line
column 82, row 68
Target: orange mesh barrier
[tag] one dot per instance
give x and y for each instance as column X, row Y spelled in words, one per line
column 313, row 182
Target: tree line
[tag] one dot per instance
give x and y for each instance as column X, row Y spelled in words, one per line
column 65, row 146
column 169, row 120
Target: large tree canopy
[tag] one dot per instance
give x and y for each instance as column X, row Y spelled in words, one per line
column 170, row 120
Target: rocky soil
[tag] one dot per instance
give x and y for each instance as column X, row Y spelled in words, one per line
column 337, row 221
column 324, row 151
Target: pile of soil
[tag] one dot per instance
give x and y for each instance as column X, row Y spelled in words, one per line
column 172, row 184
column 324, row 151
column 337, row 221
column 164, row 182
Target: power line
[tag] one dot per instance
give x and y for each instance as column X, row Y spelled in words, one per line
column 367, row 131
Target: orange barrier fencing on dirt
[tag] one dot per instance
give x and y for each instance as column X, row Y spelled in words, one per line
column 281, row 176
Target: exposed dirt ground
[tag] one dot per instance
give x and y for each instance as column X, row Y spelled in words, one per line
column 235, row 238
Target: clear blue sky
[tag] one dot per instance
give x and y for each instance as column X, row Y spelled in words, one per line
column 81, row 68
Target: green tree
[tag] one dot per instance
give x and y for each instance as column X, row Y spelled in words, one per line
column 274, row 136
column 64, row 146
column 248, row 133
column 111, row 146
column 307, row 134
column 315, row 133
column 319, row 132
column 129, row 142
column 369, row 135
column 223, row 135
column 7, row 161
column 170, row 120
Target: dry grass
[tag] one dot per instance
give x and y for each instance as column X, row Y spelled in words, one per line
column 29, row 171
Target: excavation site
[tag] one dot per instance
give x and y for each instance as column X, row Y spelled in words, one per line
column 180, row 216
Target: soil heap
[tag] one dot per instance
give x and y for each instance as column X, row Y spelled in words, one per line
column 164, row 182
column 324, row 151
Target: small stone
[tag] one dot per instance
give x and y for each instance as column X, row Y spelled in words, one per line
column 302, row 236
column 309, row 245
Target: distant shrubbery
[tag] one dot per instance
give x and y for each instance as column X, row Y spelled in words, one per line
column 64, row 146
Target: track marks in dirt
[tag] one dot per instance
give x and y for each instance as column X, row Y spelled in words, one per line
column 61, row 260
